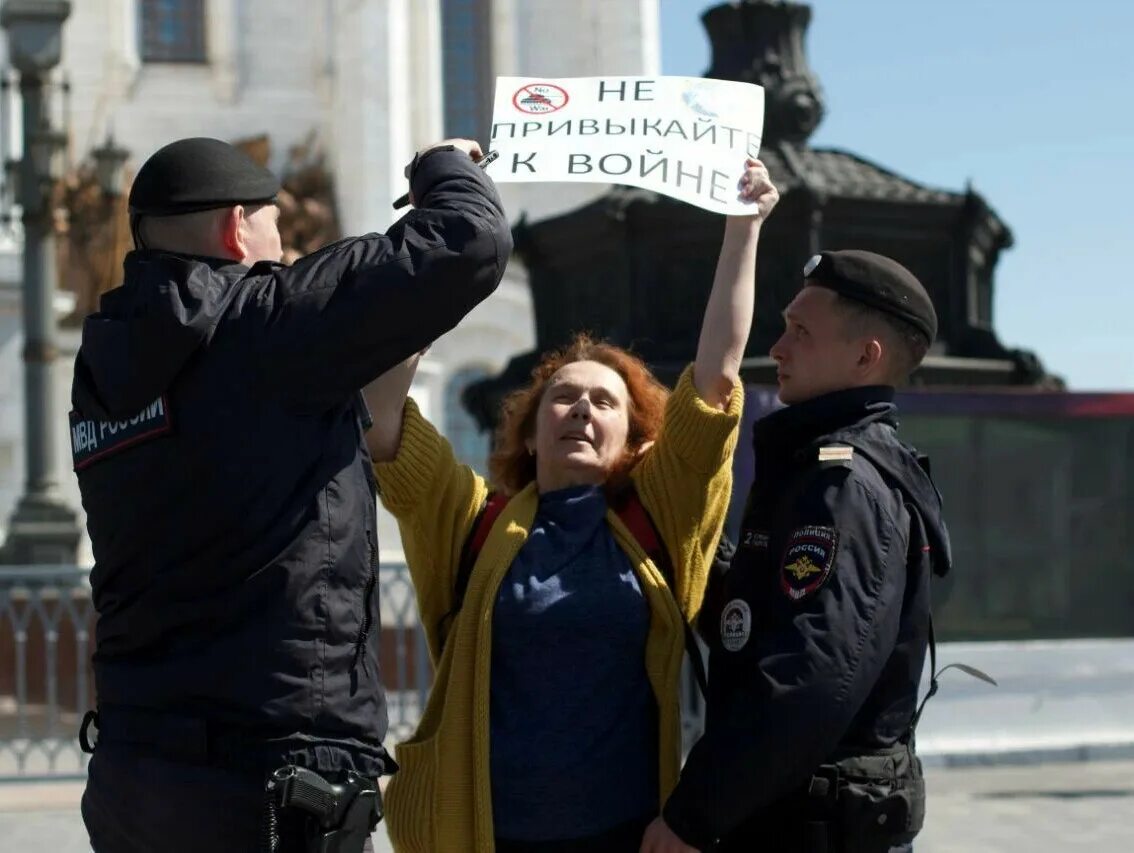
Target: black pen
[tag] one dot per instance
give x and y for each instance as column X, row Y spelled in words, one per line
column 483, row 162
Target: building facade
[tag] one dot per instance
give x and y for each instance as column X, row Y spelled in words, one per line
column 367, row 82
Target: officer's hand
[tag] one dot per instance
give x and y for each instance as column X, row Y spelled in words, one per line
column 659, row 838
column 469, row 146
column 756, row 186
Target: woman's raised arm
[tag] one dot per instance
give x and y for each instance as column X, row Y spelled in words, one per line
column 386, row 399
column 728, row 315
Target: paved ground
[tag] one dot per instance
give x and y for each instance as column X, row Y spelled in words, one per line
column 1074, row 696
column 1044, row 808
column 43, row 817
column 1085, row 807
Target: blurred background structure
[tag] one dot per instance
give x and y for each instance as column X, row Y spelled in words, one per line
column 336, row 95
column 1038, row 481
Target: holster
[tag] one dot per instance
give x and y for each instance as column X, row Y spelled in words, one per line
column 866, row 803
column 339, row 817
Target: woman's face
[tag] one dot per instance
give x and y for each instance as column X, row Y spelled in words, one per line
column 581, row 426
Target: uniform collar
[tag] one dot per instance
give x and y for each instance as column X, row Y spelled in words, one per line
column 144, row 256
column 795, row 427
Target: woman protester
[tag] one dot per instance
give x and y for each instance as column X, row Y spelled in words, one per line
column 554, row 719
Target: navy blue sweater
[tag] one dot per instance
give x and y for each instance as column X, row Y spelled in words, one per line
column 573, row 727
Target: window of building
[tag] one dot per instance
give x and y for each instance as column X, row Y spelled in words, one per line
column 172, row 30
column 470, row 444
column 467, row 67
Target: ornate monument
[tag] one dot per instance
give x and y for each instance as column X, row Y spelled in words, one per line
column 636, row 267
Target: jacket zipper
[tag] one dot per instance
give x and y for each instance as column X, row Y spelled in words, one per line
column 371, row 582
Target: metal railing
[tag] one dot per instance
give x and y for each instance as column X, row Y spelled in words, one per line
column 404, row 663
column 46, row 628
column 46, row 638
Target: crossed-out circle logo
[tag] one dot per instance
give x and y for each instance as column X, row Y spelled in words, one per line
column 736, row 624
column 539, row 98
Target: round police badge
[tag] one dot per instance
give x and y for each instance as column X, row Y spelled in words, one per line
column 736, row 624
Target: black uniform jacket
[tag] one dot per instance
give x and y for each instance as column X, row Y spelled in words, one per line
column 818, row 632
column 218, row 442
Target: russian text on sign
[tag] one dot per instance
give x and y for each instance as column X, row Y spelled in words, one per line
column 685, row 137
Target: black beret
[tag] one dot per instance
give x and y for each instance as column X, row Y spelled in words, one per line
column 877, row 281
column 199, row 174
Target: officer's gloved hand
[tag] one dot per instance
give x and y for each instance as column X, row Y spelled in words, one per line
column 469, row 146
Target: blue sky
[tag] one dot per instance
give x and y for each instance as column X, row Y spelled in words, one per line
column 1030, row 100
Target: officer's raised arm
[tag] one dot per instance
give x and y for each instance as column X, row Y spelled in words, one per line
column 346, row 314
column 728, row 314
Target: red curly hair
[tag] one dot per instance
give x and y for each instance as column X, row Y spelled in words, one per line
column 512, row 467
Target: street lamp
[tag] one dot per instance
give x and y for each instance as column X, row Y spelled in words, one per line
column 47, row 148
column 12, row 177
column 11, row 191
column 110, row 167
column 43, row 529
column 35, row 33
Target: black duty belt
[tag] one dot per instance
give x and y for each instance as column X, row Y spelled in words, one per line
column 177, row 737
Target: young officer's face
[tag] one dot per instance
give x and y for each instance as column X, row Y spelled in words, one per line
column 815, row 355
column 581, row 426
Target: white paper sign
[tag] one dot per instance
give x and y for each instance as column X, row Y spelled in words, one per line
column 685, row 137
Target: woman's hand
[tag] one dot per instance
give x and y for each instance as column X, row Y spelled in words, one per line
column 756, row 188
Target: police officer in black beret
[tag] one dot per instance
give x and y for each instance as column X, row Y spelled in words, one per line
column 818, row 632
column 217, row 433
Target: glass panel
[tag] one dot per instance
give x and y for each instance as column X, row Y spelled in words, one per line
column 1041, row 515
column 1038, row 492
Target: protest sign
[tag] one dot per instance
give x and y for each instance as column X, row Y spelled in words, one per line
column 685, row 137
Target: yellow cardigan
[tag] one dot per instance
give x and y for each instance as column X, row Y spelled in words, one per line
column 440, row 800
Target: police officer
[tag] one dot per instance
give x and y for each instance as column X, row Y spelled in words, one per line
column 217, row 434
column 818, row 632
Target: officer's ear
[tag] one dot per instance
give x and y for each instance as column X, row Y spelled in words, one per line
column 232, row 232
column 870, row 355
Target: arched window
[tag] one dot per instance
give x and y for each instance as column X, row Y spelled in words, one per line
column 469, row 443
column 172, row 30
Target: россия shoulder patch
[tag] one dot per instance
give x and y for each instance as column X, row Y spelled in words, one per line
column 808, row 560
column 94, row 440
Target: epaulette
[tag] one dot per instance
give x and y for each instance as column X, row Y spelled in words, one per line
column 835, row 455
